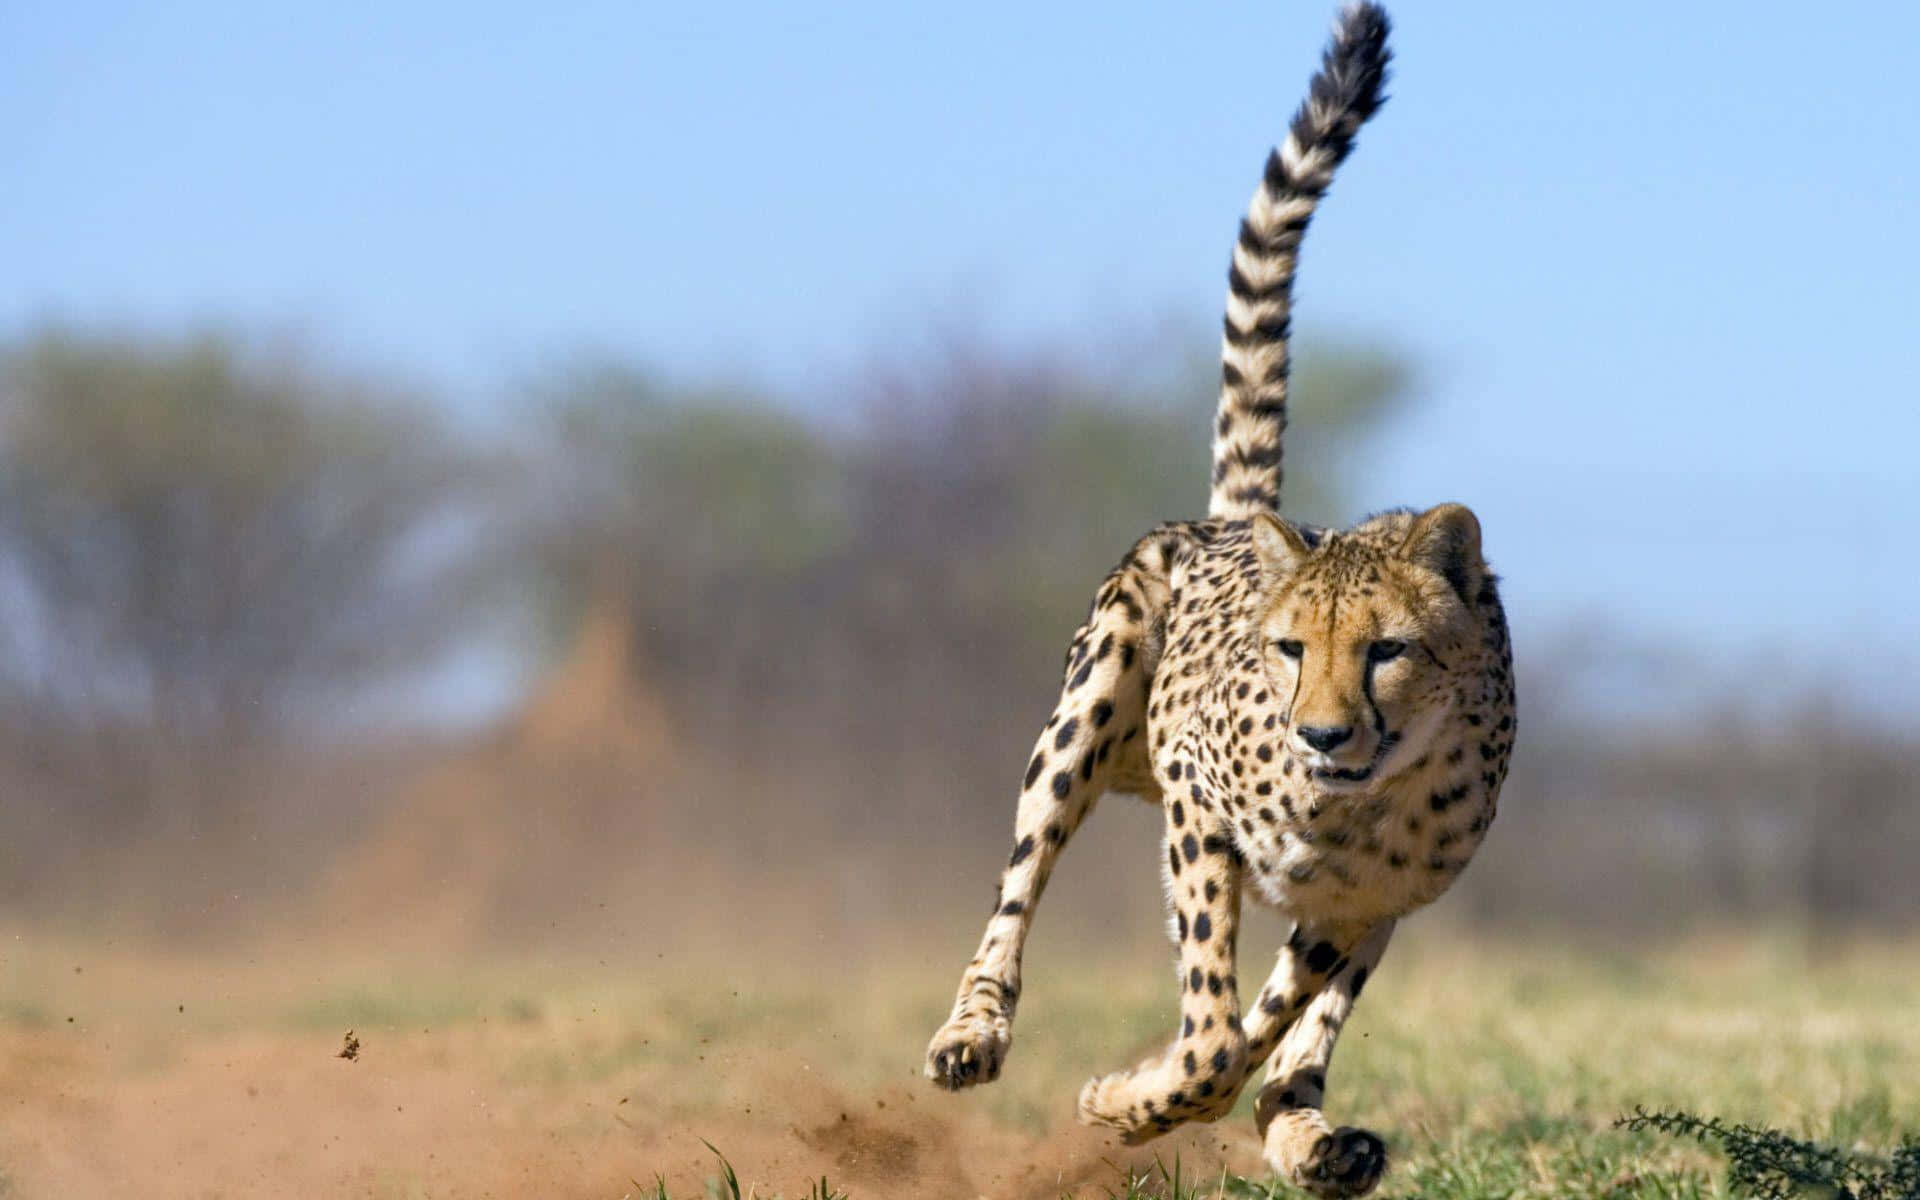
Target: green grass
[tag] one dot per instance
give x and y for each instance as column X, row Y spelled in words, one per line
column 1501, row 1070
column 1766, row 1165
column 726, row 1186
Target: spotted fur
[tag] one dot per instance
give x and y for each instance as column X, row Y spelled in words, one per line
column 1323, row 717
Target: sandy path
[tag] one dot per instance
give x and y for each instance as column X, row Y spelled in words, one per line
column 441, row 1115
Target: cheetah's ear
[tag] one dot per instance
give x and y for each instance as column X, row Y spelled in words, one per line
column 1280, row 546
column 1446, row 540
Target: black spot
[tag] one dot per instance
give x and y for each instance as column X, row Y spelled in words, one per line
column 1066, row 733
column 1173, row 859
column 1213, row 983
column 1319, row 1082
column 1012, row 908
column 1034, row 768
column 1359, row 981
column 1193, row 980
column 1220, row 1062
column 1213, row 844
column 1086, row 767
column 1191, row 1063
column 1182, row 919
column 1272, row 1005
column 1080, row 676
column 1179, row 813
column 1102, row 713
column 1186, row 1027
column 1190, row 847
column 1062, row 784
column 1321, row 957
column 1202, row 927
column 1021, row 851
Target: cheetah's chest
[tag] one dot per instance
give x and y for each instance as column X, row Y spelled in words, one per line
column 1359, row 856
column 1348, row 854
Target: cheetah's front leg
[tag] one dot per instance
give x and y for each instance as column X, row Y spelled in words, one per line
column 1198, row 1076
column 1094, row 740
column 1300, row 1012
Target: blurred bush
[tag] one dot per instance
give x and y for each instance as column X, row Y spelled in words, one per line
column 219, row 566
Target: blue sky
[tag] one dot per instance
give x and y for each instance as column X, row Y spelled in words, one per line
column 1658, row 262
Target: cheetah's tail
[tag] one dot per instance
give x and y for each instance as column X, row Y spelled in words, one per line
column 1253, row 352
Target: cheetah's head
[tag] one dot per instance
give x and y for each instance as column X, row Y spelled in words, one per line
column 1359, row 634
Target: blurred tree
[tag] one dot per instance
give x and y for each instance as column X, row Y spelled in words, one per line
column 846, row 588
column 1344, row 394
column 662, row 496
column 209, row 543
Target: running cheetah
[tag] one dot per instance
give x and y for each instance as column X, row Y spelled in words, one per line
column 1324, row 717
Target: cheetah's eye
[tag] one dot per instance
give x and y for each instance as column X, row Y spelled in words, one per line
column 1288, row 647
column 1386, row 650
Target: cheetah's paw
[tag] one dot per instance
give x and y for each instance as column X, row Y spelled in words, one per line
column 1125, row 1101
column 968, row 1050
column 1345, row 1163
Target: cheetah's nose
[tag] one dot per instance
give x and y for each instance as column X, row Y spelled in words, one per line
column 1324, row 737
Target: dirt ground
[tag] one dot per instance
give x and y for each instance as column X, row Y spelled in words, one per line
column 426, row 1114
column 126, row 1075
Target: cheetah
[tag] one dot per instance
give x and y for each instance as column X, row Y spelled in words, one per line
column 1323, row 716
